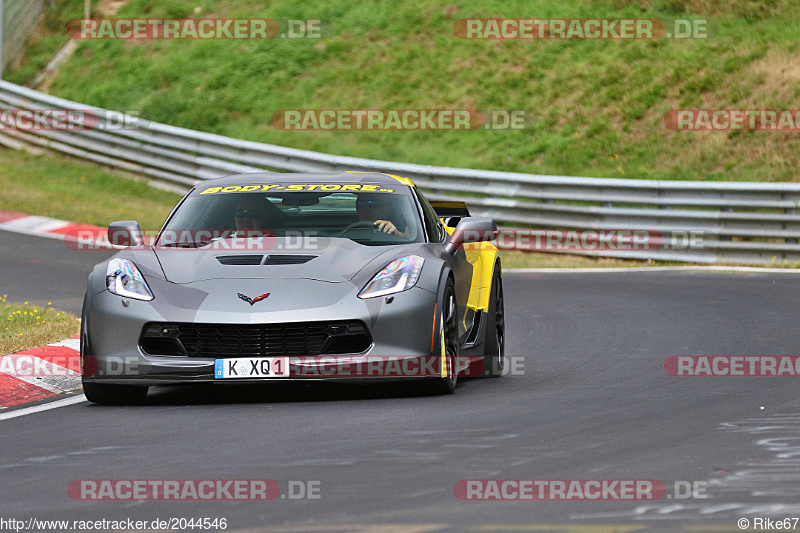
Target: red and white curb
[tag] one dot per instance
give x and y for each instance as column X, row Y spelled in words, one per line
column 52, row 228
column 40, row 373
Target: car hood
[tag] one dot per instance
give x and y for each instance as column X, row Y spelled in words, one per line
column 332, row 260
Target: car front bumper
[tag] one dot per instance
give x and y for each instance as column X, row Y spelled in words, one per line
column 404, row 336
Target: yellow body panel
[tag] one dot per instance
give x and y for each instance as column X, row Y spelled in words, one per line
column 481, row 255
column 444, row 357
column 404, row 181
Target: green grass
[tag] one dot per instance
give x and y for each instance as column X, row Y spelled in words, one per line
column 68, row 189
column 26, row 325
column 598, row 105
column 515, row 259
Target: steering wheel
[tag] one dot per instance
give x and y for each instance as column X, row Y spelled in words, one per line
column 361, row 224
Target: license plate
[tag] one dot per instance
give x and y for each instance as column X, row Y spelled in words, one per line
column 263, row 367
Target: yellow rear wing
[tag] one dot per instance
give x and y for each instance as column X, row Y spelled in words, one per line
column 450, row 209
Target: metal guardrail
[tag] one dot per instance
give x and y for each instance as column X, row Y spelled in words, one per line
column 737, row 222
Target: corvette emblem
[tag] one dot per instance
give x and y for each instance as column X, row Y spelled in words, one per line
column 252, row 301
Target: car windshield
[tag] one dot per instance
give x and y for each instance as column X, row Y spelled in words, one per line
column 370, row 217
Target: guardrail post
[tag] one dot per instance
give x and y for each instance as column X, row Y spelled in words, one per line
column 790, row 211
column 726, row 210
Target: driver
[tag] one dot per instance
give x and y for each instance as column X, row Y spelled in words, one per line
column 252, row 215
column 373, row 208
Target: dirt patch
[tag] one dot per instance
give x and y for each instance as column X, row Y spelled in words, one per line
column 109, row 8
column 780, row 72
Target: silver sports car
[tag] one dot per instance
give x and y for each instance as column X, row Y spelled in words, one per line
column 273, row 277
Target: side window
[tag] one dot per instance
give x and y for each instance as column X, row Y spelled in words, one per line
column 431, row 220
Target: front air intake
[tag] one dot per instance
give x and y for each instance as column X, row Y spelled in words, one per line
column 274, row 259
column 254, row 340
column 240, row 259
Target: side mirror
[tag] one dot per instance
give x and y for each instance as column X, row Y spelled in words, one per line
column 472, row 229
column 125, row 233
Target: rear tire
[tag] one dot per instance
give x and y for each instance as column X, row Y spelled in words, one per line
column 114, row 394
column 449, row 323
column 494, row 359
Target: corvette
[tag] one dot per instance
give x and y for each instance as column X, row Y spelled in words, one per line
column 268, row 277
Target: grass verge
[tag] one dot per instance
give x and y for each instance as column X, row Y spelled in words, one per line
column 27, row 326
column 65, row 188
column 515, row 259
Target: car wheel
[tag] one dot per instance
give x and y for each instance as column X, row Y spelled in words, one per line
column 114, row 394
column 494, row 347
column 449, row 324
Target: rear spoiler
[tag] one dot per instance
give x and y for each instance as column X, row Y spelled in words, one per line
column 450, row 209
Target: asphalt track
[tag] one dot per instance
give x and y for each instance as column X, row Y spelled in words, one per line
column 592, row 401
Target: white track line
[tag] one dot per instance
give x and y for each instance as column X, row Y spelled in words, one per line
column 75, row 344
column 80, row 398
column 36, row 224
column 57, row 236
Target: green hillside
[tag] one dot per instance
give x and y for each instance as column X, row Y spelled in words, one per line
column 599, row 106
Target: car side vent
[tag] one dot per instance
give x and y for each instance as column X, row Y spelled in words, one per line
column 293, row 259
column 240, row 259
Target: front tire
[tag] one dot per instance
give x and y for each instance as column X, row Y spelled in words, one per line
column 105, row 394
column 449, row 332
column 495, row 345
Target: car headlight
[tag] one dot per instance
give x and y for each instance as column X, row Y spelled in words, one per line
column 124, row 279
column 399, row 275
